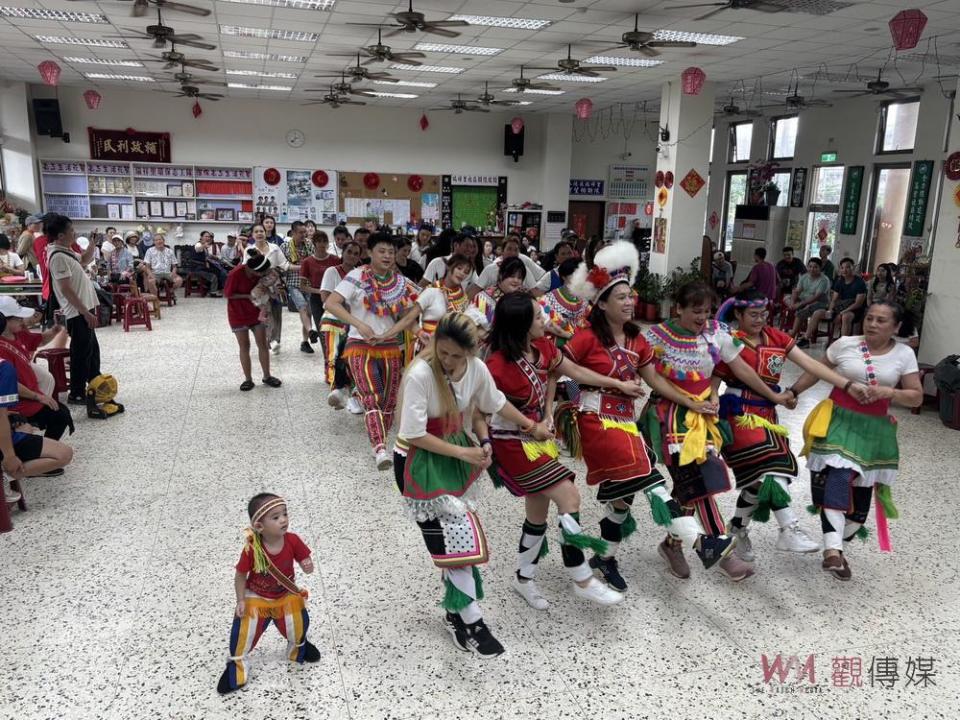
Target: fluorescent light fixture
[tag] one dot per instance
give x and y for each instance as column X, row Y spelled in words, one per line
column 428, row 68
column 268, row 33
column 257, row 73
column 111, row 76
column 459, row 49
column 244, row 86
column 537, row 92
column 402, row 96
column 699, row 38
column 294, row 4
column 98, row 61
column 269, row 57
column 59, row 15
column 504, row 22
column 623, row 61
column 92, row 42
column 405, row 83
column 570, row 77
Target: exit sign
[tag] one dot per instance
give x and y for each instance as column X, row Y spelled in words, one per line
column 828, row 157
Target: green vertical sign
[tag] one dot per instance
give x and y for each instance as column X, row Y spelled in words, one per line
column 920, row 180
column 850, row 210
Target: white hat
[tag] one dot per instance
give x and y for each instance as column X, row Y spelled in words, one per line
column 616, row 263
column 10, row 308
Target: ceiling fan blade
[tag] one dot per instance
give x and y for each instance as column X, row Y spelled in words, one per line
column 477, row 109
column 189, row 9
column 376, row 59
column 648, row 50
column 348, row 54
column 379, row 76
column 766, row 7
column 447, row 23
column 140, row 8
column 200, row 65
column 707, row 4
column 396, row 31
column 547, row 69
column 186, row 36
column 408, row 54
column 542, row 86
column 854, row 92
column 907, row 89
column 710, row 14
column 442, row 32
column 671, row 44
column 192, row 43
column 596, row 68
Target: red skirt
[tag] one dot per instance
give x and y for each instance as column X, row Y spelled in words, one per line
column 523, row 476
column 612, row 454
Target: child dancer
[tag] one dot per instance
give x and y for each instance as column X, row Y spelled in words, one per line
column 266, row 590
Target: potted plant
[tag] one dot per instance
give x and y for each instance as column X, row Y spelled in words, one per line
column 678, row 278
column 760, row 185
column 650, row 293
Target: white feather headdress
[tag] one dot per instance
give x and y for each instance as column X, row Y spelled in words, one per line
column 614, row 264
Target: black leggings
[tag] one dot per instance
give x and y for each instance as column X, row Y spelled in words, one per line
column 53, row 422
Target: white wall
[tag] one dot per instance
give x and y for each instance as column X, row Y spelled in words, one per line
column 19, row 160
column 592, row 157
column 252, row 132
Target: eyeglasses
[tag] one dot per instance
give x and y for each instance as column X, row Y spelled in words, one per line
column 758, row 314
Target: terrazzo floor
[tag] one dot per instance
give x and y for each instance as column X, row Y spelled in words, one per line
column 117, row 584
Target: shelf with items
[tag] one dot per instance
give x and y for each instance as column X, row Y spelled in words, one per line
column 109, row 185
column 162, row 171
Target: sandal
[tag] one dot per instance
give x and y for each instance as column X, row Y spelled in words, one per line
column 272, row 381
column 246, row 385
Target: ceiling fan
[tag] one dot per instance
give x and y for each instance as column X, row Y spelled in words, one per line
column 173, row 57
column 192, row 91
column 459, row 105
column 731, row 109
column 334, row 100
column 522, row 84
column 760, row 5
column 142, row 7
column 342, row 88
column 381, row 53
column 412, row 21
column 570, row 66
column 795, row 101
column 187, row 78
column 882, row 87
column 645, row 43
column 162, row 34
column 487, row 99
column 359, row 73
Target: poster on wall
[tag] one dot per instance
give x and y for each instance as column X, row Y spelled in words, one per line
column 795, row 235
column 628, row 182
column 492, row 216
column 850, row 209
column 798, row 187
column 917, row 200
column 660, row 235
column 296, row 194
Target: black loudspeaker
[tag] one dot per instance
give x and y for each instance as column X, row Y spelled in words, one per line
column 513, row 142
column 46, row 115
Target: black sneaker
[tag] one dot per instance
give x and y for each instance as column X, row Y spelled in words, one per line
column 311, row 654
column 314, row 336
column 305, row 347
column 610, row 571
column 713, row 548
column 481, row 641
column 457, row 631
column 76, row 400
column 803, row 342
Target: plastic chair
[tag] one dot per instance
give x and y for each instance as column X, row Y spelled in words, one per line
column 58, row 363
column 194, row 285
column 136, row 311
column 166, row 292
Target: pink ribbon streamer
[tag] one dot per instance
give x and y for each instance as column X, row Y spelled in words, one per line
column 883, row 532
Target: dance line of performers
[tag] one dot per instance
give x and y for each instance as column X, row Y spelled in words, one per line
column 499, row 383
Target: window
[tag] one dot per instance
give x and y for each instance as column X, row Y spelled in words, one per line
column 736, row 195
column 827, row 184
column 824, row 215
column 782, row 180
column 783, row 137
column 713, row 134
column 898, row 126
column 741, row 135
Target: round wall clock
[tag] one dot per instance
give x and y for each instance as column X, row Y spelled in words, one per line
column 296, row 138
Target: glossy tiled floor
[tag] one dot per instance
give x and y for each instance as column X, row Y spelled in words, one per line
column 117, row 585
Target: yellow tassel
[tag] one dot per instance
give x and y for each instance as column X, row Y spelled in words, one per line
column 534, row 449
column 817, row 424
column 702, row 430
column 628, row 427
column 260, row 564
column 752, row 422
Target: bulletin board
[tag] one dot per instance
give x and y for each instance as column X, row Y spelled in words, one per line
column 391, row 202
column 476, row 206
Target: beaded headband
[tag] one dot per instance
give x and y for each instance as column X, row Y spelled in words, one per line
column 731, row 303
column 267, row 507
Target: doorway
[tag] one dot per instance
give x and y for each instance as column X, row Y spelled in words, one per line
column 736, row 194
column 889, row 208
column 586, row 217
column 824, row 210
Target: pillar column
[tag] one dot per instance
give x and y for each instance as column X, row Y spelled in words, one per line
column 557, row 155
column 20, row 179
column 688, row 118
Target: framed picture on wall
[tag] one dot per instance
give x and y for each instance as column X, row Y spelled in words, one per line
column 186, row 189
column 113, row 211
column 227, row 214
column 169, row 209
column 143, row 208
column 181, row 208
column 207, row 215
column 126, row 212
column 246, row 217
column 190, row 216
column 156, row 209
column 175, row 190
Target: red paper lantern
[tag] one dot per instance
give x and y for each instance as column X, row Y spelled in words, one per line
column 92, row 98
column 197, row 110
column 691, row 80
column 584, row 108
column 371, row 181
column 424, row 122
column 668, row 179
column 50, row 72
column 415, row 183
column 906, row 27
column 516, row 125
column 320, row 178
column 659, row 178
column 271, row 176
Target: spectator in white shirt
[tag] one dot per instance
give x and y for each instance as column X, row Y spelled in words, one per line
column 511, row 248
column 9, row 260
column 163, row 262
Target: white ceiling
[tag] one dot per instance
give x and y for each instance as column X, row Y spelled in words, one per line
column 774, row 44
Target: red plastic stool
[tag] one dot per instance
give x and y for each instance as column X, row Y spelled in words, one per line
column 923, row 370
column 193, row 285
column 58, row 363
column 136, row 311
column 166, row 293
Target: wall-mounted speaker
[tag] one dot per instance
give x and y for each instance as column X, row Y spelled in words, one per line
column 46, row 116
column 513, row 142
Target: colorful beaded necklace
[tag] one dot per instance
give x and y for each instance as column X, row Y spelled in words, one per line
column 387, row 296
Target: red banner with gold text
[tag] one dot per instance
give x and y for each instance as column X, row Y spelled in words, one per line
column 129, row 144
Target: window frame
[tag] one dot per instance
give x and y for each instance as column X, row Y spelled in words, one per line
column 772, row 139
column 882, row 126
column 732, row 142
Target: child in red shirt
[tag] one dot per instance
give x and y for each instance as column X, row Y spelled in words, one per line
column 266, row 590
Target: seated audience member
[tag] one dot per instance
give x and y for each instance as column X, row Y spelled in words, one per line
column 562, row 251
column 10, row 262
column 847, row 304
column 722, row 274
column 883, row 287
column 789, row 271
column 141, row 271
column 163, row 262
column 109, row 246
column 488, row 278
column 762, row 277
column 208, row 250
column 828, row 268
column 17, row 346
column 33, row 228
column 231, row 251
column 809, row 296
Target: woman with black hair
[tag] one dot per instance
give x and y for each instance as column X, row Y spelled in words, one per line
column 269, row 223
column 525, row 365
column 686, row 351
column 510, row 279
column 884, row 284
column 851, row 448
column 759, row 453
column 566, row 311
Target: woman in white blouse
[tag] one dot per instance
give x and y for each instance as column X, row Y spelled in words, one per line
column 279, row 263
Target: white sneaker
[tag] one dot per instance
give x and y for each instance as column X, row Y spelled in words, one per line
column 354, row 406
column 794, row 539
column 11, row 496
column 275, row 347
column 598, row 592
column 335, row 399
column 384, row 461
column 530, row 592
column 743, row 548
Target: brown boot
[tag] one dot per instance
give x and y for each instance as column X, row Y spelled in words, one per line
column 735, row 568
column 838, row 566
column 672, row 551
